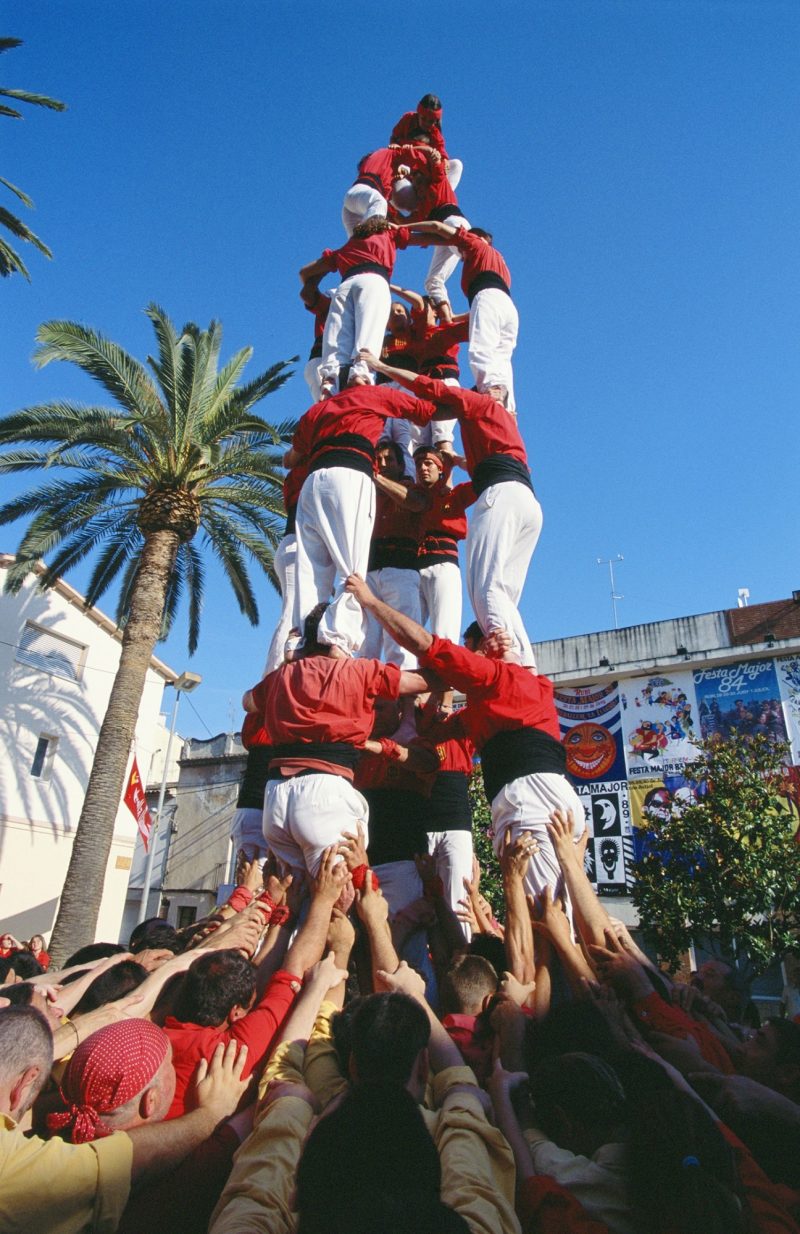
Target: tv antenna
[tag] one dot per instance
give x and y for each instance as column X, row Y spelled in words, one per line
column 615, row 595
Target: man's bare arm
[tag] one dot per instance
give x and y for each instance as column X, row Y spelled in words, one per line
column 413, row 297
column 432, row 233
column 412, row 499
column 314, row 271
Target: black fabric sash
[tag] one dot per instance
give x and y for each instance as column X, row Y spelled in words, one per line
column 517, row 752
column 395, row 551
column 254, row 780
column 487, row 279
column 367, row 267
column 396, row 824
column 499, row 469
column 437, row 548
column 337, row 752
column 440, row 213
column 344, row 450
column 449, row 808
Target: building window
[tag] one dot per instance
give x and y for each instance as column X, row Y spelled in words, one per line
column 187, row 915
column 43, row 759
column 51, row 653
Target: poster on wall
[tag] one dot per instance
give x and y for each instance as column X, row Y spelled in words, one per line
column 789, row 682
column 591, row 727
column 659, row 723
column 654, row 800
column 742, row 699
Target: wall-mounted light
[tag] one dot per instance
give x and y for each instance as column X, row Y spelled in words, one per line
column 769, row 639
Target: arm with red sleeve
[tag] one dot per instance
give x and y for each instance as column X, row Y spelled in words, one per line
column 406, row 125
column 663, row 1017
column 257, row 1029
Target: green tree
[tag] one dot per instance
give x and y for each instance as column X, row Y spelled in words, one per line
column 182, row 452
column 491, row 878
column 10, row 260
column 725, row 869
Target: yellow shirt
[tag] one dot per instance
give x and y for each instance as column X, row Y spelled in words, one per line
column 50, row 1187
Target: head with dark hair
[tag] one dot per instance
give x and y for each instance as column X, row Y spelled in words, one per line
column 6, row 966
column 472, row 636
column 36, row 943
column 218, row 989
column 156, row 934
column 114, row 983
column 580, row 1102
column 682, row 1172
column 388, row 1035
column 371, row 227
column 484, row 235
column 772, row 1057
column 467, row 985
column 26, row 965
column 38, row 997
column 377, row 1140
column 431, row 102
column 492, row 949
column 342, row 1031
column 26, row 1056
column 20, row 994
column 574, row 1026
column 93, row 951
column 391, row 459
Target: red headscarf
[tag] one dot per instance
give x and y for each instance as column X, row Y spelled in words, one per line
column 107, row 1069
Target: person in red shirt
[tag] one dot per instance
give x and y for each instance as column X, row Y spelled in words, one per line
column 319, row 711
column 335, row 512
column 360, row 304
column 511, row 719
column 506, row 520
column 318, row 304
column 438, row 203
column 370, row 193
column 424, row 125
column 493, row 317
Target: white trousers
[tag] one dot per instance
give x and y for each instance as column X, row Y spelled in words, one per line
column 493, row 327
column 285, row 563
column 306, row 814
column 410, row 436
column 525, row 805
column 504, row 526
column 452, row 851
column 400, row 589
column 335, row 514
column 247, row 831
column 400, row 883
column 444, row 260
column 440, row 599
column 361, row 202
column 312, row 378
column 404, row 195
column 357, row 318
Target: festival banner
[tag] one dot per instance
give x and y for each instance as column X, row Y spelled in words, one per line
column 591, row 728
column 659, row 724
column 742, row 699
column 136, row 802
column 789, row 682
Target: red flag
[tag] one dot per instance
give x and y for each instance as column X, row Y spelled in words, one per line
column 136, row 802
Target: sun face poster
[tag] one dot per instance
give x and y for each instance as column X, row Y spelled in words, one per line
column 590, row 721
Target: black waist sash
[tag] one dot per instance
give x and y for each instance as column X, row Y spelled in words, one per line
column 291, row 520
column 449, row 807
column 337, row 752
column 440, row 213
column 517, row 752
column 254, row 780
column 344, row 450
column 437, row 547
column 316, row 350
column 488, row 278
column 367, row 267
column 371, row 180
column 499, row 469
column 396, row 824
column 398, row 552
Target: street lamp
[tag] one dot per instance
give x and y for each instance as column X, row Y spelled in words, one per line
column 183, row 684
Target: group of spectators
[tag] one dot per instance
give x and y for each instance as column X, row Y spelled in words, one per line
column 276, row 1067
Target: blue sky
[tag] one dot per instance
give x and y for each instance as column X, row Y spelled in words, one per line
column 636, row 161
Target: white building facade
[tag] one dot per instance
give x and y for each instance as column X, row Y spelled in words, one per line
column 58, row 661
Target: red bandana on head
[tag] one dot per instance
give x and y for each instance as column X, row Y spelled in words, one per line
column 107, row 1069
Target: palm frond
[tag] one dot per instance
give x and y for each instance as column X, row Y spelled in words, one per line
column 120, row 550
column 59, row 495
column 173, row 597
column 23, row 197
column 22, row 231
column 7, row 43
column 82, row 540
column 223, row 543
column 268, row 382
column 11, row 262
column 119, row 373
column 166, row 366
column 36, row 100
column 195, row 583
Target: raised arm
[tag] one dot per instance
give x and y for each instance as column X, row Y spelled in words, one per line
column 403, row 495
column 591, row 919
column 407, row 632
column 412, row 297
column 432, row 233
column 519, row 932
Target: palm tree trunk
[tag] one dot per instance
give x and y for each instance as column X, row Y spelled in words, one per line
column 83, row 887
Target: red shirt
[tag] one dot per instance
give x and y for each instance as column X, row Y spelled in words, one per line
column 664, row 1017
column 479, row 257
column 319, row 308
column 500, row 696
column 408, row 128
column 446, row 513
column 438, row 193
column 318, row 699
column 380, row 167
column 379, row 249
column 362, row 410
column 191, row 1042
column 486, row 427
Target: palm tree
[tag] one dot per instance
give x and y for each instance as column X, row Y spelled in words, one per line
column 179, row 454
column 10, row 260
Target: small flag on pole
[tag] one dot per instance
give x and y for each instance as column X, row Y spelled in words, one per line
column 136, row 802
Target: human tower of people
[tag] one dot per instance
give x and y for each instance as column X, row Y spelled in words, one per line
column 278, row 1068
column 351, row 726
